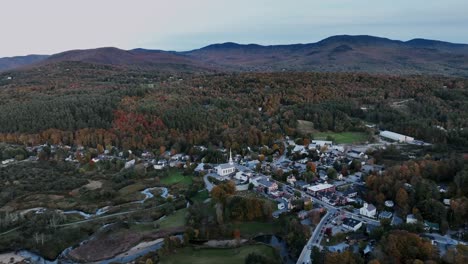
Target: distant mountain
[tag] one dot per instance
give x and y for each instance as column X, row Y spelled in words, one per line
column 342, row 53
column 9, row 63
column 137, row 58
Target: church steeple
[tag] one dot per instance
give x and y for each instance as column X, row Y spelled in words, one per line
column 230, row 157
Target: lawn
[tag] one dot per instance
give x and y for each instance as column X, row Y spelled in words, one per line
column 175, row 176
column 174, row 220
column 131, row 189
column 343, row 137
column 249, row 229
column 131, row 193
column 216, row 256
column 201, row 196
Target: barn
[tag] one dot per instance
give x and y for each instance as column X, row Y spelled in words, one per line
column 395, row 136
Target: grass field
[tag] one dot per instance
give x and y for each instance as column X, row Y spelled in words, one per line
column 216, row 256
column 201, row 196
column 131, row 192
column 132, row 188
column 343, row 137
column 307, row 128
column 249, row 229
column 175, row 176
column 174, row 220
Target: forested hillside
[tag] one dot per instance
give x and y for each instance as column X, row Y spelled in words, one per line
column 80, row 103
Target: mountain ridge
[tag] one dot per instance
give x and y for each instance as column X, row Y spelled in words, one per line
column 340, row 53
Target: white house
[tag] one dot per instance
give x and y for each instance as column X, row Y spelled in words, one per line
column 300, row 149
column 395, row 136
column 129, row 164
column 242, row 176
column 281, row 205
column 226, row 168
column 411, row 219
column 161, row 164
column 368, row 210
column 291, row 179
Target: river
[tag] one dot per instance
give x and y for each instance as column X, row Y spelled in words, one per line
column 146, row 192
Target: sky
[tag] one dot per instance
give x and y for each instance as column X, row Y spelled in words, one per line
column 52, row 26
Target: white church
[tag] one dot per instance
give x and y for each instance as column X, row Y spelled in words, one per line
column 226, row 169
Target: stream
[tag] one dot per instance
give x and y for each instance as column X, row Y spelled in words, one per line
column 146, row 192
column 137, row 251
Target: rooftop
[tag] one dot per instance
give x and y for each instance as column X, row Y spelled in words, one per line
column 265, row 182
column 351, row 222
column 320, row 187
column 226, row 166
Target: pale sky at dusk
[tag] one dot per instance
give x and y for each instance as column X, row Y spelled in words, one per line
column 51, row 26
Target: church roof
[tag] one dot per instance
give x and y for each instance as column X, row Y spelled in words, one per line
column 226, row 166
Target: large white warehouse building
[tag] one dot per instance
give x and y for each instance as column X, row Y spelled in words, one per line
column 395, row 136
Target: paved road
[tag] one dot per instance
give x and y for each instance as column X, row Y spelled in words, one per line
column 446, row 240
column 109, row 216
column 316, row 235
column 208, row 184
column 11, row 230
column 304, row 258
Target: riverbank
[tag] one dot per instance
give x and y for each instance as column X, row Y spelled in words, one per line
column 110, row 245
column 7, row 258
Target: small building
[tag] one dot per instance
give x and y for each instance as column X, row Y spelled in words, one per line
column 395, row 136
column 356, row 154
column 301, row 185
column 352, row 224
column 385, row 215
column 302, row 214
column 368, row 210
column 161, row 164
column 320, row 188
column 291, row 179
column 429, row 226
column 368, row 169
column 299, row 149
column 242, row 176
column 129, row 164
column 411, row 219
column 282, row 204
column 265, row 183
column 447, row 202
column 200, row 167
column 322, row 143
